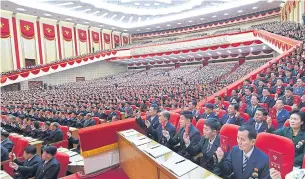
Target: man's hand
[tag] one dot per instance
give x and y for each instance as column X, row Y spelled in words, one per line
column 165, row 133
column 186, row 139
column 219, row 154
column 69, row 134
column 269, row 122
column 13, row 165
column 274, row 174
column 147, row 123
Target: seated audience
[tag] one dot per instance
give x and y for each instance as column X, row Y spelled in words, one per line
column 251, row 109
column 4, row 153
column 208, row 112
column 232, row 116
column 55, row 136
column 6, row 142
column 259, row 121
column 265, row 98
column 245, row 160
column 72, row 141
column 299, row 88
column 89, row 121
column 281, row 114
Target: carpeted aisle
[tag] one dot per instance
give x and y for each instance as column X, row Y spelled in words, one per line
column 116, row 173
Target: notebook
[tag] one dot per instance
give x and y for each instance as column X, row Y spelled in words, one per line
column 157, row 150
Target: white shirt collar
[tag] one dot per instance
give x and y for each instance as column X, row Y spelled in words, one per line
column 212, row 141
column 249, row 153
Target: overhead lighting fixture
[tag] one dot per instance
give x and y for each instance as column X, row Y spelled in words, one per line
column 113, row 16
column 264, row 47
column 86, row 22
column 76, row 7
column 138, row 30
column 191, row 56
column 101, row 25
column 68, row 19
column 270, row 1
column 48, row 15
column 228, row 51
column 240, row 11
column 254, row 7
column 96, row 12
column 209, row 54
column 239, row 50
column 137, row 4
column 168, row 25
column 112, row 27
column 190, row 21
column 251, row 49
column 125, row 30
column 218, row 53
column 105, row 14
column 147, row 4
column 201, row 18
column 65, row 4
column 181, row 56
column 157, row 4
column 139, row 19
column 179, row 23
column 147, row 28
column 122, row 18
column 158, row 27
column 225, row 14
column 199, row 55
column 214, row 16
column 130, row 19
column 86, row 10
column 20, row 9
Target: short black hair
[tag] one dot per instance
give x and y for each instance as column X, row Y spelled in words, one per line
column 235, row 106
column 166, row 114
column 187, row 114
column 30, row 150
column 5, row 134
column 252, row 132
column 264, row 111
column 267, row 89
column 218, row 97
column 36, row 124
column 50, row 150
column 48, row 123
column 155, row 107
column 213, row 123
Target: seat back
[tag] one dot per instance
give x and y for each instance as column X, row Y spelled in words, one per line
column 230, row 131
column 199, row 125
column 64, row 130
column 281, row 145
column 286, row 124
column 296, row 99
column 275, row 124
column 303, row 165
column 3, row 117
column 97, row 120
column 264, row 105
column 20, row 146
column 272, row 112
column 288, row 108
column 7, row 168
column 245, row 116
column 303, row 109
column 63, row 160
column 226, row 104
column 174, row 118
column 221, row 113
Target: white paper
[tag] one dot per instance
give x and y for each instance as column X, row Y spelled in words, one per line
column 128, row 133
column 114, row 157
column 141, row 140
column 76, row 158
column 212, row 177
column 157, row 150
column 181, row 168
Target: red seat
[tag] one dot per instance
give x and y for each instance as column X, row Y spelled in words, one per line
column 226, row 104
column 243, row 106
column 245, row 116
column 20, row 146
column 63, row 143
column 272, row 112
column 288, row 108
column 64, row 130
column 41, row 124
column 296, row 99
column 286, row 124
column 303, row 109
column 282, row 145
column 264, row 105
column 97, row 120
column 194, row 122
column 63, row 160
column 174, row 118
column 199, row 125
column 201, row 111
column 230, row 131
column 303, row 165
column 275, row 124
column 14, row 139
column 134, row 107
column 221, row 113
column 3, row 117
column 118, row 113
column 7, row 168
column 272, row 96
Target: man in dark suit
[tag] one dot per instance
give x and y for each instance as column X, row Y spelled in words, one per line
column 251, row 109
column 278, row 88
column 47, row 168
column 232, row 116
column 151, row 122
column 6, row 142
column 203, row 151
column 288, row 97
column 245, row 160
column 4, row 154
column 259, row 121
column 248, row 95
column 265, row 98
column 56, row 135
column 111, row 114
column 72, row 141
column 89, row 121
column 184, row 139
column 281, row 114
column 80, row 120
column 30, row 159
column 164, row 125
column 208, row 112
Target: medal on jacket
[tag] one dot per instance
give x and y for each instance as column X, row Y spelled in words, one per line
column 255, row 173
column 163, row 125
column 300, row 144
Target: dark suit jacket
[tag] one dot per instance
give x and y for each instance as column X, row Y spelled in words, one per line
column 251, row 112
column 55, row 136
column 299, row 152
column 205, row 116
column 8, row 144
column 237, row 121
column 282, row 117
column 287, row 101
column 202, row 147
column 88, row 123
column 4, row 153
column 158, row 136
column 178, row 139
column 25, row 165
column 110, row 115
column 154, row 123
column 268, row 100
column 263, row 128
column 234, row 163
column 274, row 89
column 48, row 171
column 80, row 123
column 72, row 141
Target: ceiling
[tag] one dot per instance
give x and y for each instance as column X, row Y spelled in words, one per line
column 210, row 53
column 134, row 16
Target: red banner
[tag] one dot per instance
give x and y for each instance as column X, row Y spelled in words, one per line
column 27, row 29
column 95, row 37
column 107, row 38
column 82, row 35
column 66, row 33
column 125, row 40
column 116, row 39
column 48, row 31
column 5, row 28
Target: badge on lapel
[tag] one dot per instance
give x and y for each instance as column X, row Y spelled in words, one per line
column 254, row 174
column 300, row 144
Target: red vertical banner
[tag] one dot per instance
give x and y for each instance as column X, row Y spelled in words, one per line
column 101, row 35
column 89, row 40
column 125, row 40
column 5, row 28
column 16, row 42
column 82, row 35
column 39, row 42
column 48, row 31
column 95, row 37
column 58, row 42
column 75, row 41
column 27, row 29
column 66, row 33
column 107, row 38
column 116, row 39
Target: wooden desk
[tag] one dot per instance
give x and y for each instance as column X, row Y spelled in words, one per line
column 138, row 165
column 4, row 175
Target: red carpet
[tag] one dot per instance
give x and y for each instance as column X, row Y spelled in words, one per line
column 116, row 173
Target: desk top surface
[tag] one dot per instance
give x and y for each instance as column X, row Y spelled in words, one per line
column 198, row 172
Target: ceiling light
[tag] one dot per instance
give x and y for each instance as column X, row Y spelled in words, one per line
column 139, row 19
column 125, row 30
column 225, row 14
column 157, row 4
column 138, row 30
column 218, row 53
column 240, row 11
column 158, row 27
column 201, row 18
column 147, row 4
column 168, row 25
column 76, row 7
column 214, row 16
column 20, row 9
column 251, row 49
column 68, row 19
column 270, row 1
column 86, row 10
column 179, row 23
column 122, row 18
column 47, row 15
column 65, row 4
column 147, row 28
column 254, row 7
column 86, row 22
column 137, row 4
column 130, row 19
column 112, row 27
column 264, row 47
column 191, row 56
column 95, row 12
column 101, row 25
column 113, row 16
column 190, row 21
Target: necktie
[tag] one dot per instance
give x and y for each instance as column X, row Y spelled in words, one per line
column 245, row 163
column 209, row 147
column 256, row 126
column 264, row 99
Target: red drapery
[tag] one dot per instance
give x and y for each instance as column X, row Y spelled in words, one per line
column 82, row 35
column 116, row 39
column 48, row 31
column 27, row 29
column 107, row 38
column 5, row 28
column 66, row 33
column 95, row 37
